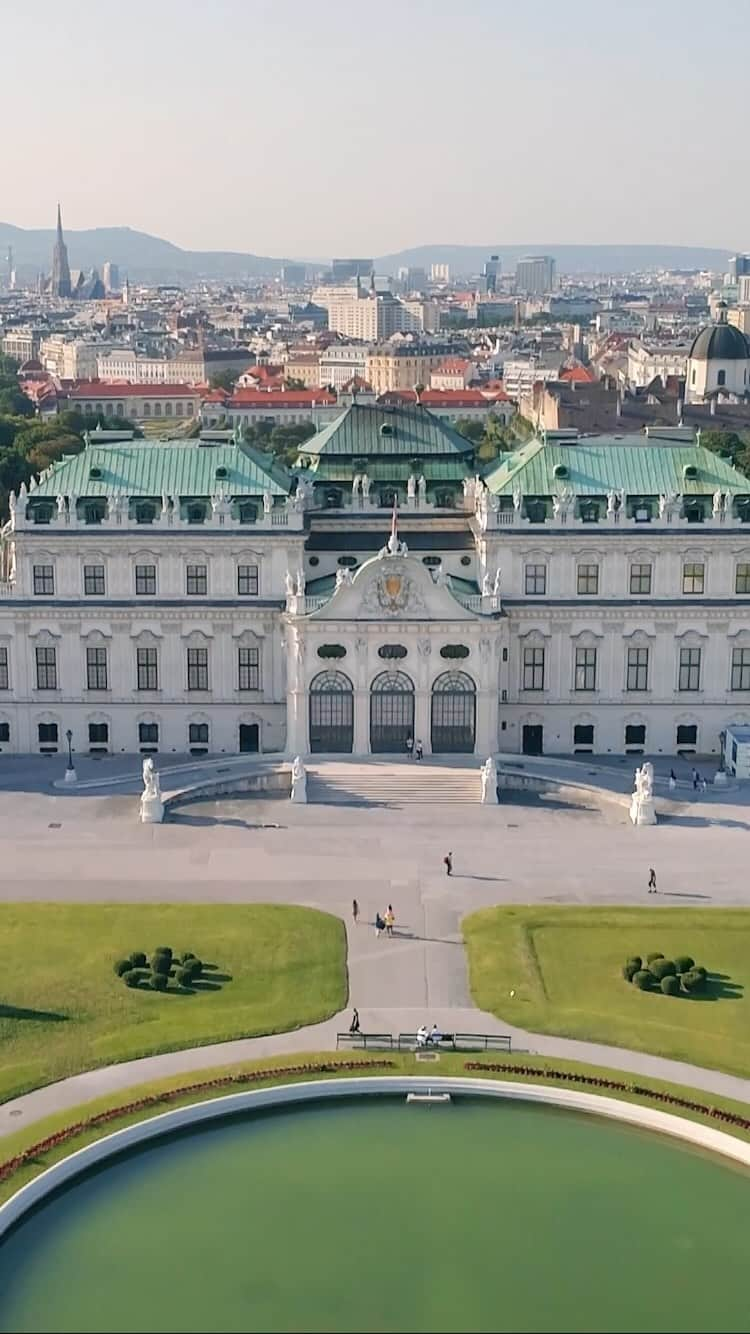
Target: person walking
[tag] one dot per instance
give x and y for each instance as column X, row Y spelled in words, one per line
column 379, row 925
column 418, row 751
column 390, row 918
column 448, row 863
column 672, row 780
column 651, row 880
column 355, row 911
column 410, row 746
column 696, row 779
column 354, row 1025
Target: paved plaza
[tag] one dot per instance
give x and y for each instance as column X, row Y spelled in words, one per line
column 85, row 846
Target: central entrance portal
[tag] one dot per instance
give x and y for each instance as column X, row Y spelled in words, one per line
column 391, row 713
column 331, row 714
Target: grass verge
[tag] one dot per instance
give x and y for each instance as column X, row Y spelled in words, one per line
column 559, row 970
column 174, row 1092
column 62, row 1009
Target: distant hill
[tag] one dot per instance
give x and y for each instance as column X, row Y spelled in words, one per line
column 469, row 259
column 148, row 258
column 144, row 258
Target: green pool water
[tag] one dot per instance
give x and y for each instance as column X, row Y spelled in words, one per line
column 371, row 1215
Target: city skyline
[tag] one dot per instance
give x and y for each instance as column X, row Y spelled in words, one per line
column 502, row 124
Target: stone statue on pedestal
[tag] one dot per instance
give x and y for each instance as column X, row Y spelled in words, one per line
column 489, row 782
column 642, row 809
column 299, row 782
column 152, row 806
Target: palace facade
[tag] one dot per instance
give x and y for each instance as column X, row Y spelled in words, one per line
column 584, row 595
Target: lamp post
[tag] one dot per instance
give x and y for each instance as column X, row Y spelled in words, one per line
column 70, row 773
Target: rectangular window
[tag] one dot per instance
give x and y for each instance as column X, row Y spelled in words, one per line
column 692, row 577
column 588, row 579
column 145, row 579
column 197, row 669
column 96, row 669
column 742, row 579
column 44, row 580
column 4, row 675
column 585, row 676
column 635, row 734
column 583, row 734
column 249, row 669
column 247, row 580
column 47, row 733
column 533, row 669
column 147, row 669
column 637, row 678
column 98, row 734
column 690, row 669
column 687, row 735
column 197, row 579
column 640, row 579
column 198, row 734
column 93, row 580
column 741, row 669
column 4, row 731
column 536, row 580
column 148, row 734
column 46, row 669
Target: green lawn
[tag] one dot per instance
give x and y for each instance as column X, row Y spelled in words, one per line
column 62, row 1009
column 564, row 965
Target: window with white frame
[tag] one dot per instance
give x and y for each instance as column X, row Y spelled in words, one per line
column 640, row 578
column 147, row 668
column 46, row 667
column 585, row 668
column 249, row 668
column 693, row 577
column 197, row 580
column 4, row 673
column 44, row 580
column 742, row 578
column 145, row 580
column 93, row 581
column 247, row 580
column 741, row 669
column 197, row 669
column 533, row 668
column 637, row 669
column 536, row 580
column 588, row 579
column 690, row 669
column 96, row 668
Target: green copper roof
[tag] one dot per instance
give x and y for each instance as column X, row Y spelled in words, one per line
column 180, row 468
column 594, row 467
column 390, row 470
column 364, row 431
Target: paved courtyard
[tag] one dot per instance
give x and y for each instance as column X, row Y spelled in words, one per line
column 91, row 847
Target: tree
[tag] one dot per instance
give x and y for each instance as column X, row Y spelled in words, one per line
column 222, row 380
column 473, row 430
column 13, row 402
column 729, row 445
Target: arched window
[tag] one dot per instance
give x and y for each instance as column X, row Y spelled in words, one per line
column 157, row 409
column 147, row 409
column 391, row 712
column 453, row 714
column 331, row 713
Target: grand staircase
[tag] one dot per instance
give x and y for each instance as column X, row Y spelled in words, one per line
column 369, row 783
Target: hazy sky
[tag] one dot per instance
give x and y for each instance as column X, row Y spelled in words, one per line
column 298, row 128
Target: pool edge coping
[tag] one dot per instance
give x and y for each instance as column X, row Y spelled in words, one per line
column 197, row 1113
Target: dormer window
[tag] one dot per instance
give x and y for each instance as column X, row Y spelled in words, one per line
column 144, row 513
column 196, row 513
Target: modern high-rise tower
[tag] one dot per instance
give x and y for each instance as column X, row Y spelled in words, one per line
column 60, row 280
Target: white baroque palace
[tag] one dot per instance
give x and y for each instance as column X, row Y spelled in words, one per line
column 585, row 596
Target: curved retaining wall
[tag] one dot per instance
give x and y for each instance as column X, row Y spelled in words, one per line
column 270, row 780
column 704, row 1137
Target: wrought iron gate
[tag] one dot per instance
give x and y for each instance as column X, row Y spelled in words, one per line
column 331, row 714
column 391, row 712
column 454, row 709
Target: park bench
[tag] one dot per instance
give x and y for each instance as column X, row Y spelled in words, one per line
column 458, row 1042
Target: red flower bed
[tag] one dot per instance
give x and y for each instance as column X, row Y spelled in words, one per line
column 617, row 1086
column 170, row 1095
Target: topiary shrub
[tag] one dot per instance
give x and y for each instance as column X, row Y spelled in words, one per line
column 643, row 979
column 630, row 969
column 159, row 981
column 161, row 963
column 637, row 960
column 184, row 976
column 138, row 959
column 683, row 963
column 698, row 968
column 650, row 957
column 188, row 955
column 195, row 966
column 670, row 985
column 162, row 949
column 662, row 968
column 134, row 977
column 694, row 982
column 123, row 966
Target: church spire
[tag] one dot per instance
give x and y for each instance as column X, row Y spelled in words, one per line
column 60, row 281
column 59, row 224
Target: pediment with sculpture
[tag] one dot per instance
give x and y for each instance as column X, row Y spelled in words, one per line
column 391, row 586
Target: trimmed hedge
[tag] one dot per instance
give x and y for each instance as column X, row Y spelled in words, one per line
column 694, row 982
column 662, row 968
column 637, row 960
column 683, row 963
column 159, row 981
column 651, row 957
column 643, row 979
column 630, row 969
column 123, row 966
column 670, row 985
column 138, row 959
